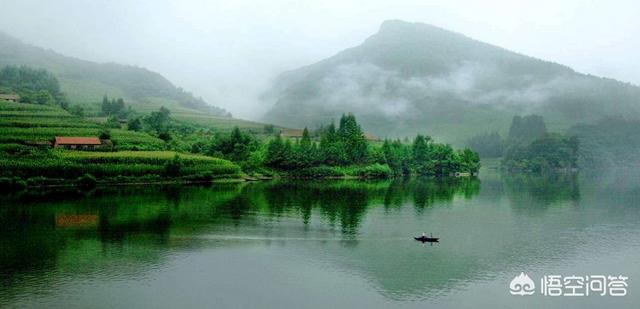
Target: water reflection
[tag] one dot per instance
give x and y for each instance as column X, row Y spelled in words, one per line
column 542, row 191
column 128, row 231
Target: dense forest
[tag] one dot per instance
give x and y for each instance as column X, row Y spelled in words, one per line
column 344, row 149
column 551, row 152
column 333, row 151
column 33, row 86
column 610, row 142
column 530, row 147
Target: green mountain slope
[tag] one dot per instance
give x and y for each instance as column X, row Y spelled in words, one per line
column 413, row 77
column 85, row 82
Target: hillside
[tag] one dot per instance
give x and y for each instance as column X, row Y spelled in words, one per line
column 26, row 131
column 413, row 77
column 85, row 82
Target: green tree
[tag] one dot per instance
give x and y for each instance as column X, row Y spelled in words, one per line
column 43, row 97
column 235, row 146
column 77, row 110
column 421, row 160
column 134, row 124
column 118, row 108
column 106, row 106
column 158, row 121
column 113, row 123
column 275, row 156
column 353, row 140
column 105, row 134
column 331, row 147
column 525, row 129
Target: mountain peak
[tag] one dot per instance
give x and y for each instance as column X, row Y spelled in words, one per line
column 414, row 77
column 397, row 24
column 401, row 27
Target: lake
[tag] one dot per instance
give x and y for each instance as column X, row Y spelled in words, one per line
column 321, row 244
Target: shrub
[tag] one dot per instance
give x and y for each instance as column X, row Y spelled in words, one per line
column 372, row 171
column 202, row 176
column 105, row 134
column 319, row 172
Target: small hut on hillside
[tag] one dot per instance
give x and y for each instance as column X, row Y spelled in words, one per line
column 76, row 142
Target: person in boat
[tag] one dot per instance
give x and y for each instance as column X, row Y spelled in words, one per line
column 424, row 234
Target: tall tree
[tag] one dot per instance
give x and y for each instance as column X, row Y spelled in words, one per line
column 106, row 105
column 351, row 135
column 420, row 155
column 331, row 147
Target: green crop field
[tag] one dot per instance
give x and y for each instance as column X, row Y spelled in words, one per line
column 22, row 125
column 25, row 123
column 73, row 164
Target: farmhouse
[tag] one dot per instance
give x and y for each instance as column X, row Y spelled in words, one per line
column 76, row 142
column 10, row 97
column 297, row 134
column 370, row 137
column 291, row 133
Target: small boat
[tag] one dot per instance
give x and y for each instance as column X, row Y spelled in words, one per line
column 426, row 239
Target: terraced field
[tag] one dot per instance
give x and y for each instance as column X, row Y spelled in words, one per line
column 72, row 164
column 25, row 126
column 31, row 123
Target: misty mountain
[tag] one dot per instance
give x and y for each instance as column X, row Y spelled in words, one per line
column 85, row 82
column 413, row 77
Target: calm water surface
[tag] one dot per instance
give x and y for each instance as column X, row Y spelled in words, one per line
column 320, row 244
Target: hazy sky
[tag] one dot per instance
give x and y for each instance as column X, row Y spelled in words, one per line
column 229, row 51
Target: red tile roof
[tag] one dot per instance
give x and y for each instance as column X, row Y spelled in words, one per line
column 291, row 133
column 63, row 140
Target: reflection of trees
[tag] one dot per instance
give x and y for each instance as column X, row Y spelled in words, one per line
column 29, row 244
column 345, row 202
column 541, row 191
column 144, row 218
column 425, row 192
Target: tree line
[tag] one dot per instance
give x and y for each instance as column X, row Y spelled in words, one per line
column 529, row 146
column 346, row 145
column 32, row 85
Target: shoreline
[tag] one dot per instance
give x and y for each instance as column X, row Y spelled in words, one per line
column 71, row 183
